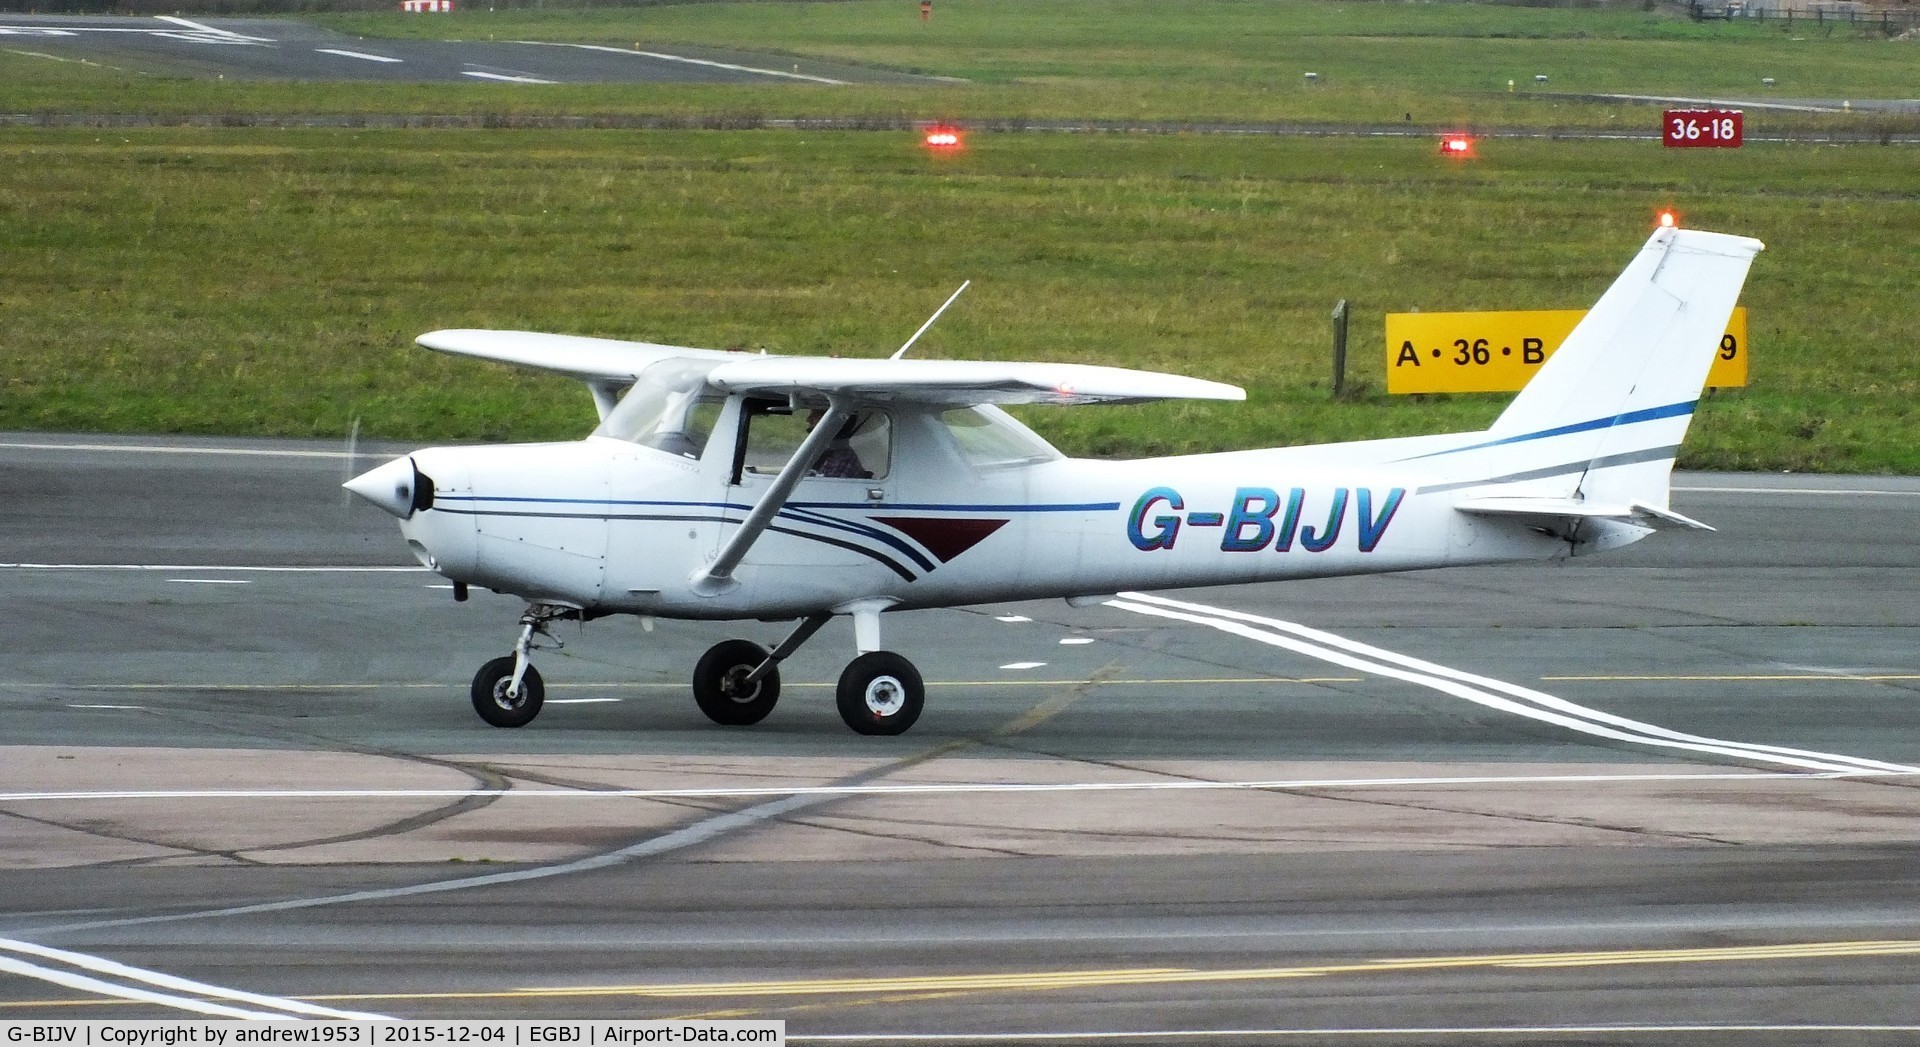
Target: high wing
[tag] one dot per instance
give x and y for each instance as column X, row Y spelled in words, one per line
column 959, row 383
column 588, row 359
column 607, row 365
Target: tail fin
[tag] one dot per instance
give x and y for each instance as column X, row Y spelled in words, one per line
column 1608, row 410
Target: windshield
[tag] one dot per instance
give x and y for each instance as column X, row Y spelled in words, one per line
column 668, row 408
column 989, row 437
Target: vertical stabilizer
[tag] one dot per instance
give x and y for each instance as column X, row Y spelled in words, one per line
column 1613, row 402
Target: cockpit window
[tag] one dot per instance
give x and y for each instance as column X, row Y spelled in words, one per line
column 861, row 450
column 988, row 437
column 668, row 409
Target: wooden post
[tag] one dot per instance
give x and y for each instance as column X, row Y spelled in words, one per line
column 1340, row 348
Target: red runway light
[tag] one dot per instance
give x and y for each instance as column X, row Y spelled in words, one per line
column 942, row 138
column 1456, row 145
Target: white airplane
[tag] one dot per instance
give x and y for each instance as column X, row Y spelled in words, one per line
column 731, row 486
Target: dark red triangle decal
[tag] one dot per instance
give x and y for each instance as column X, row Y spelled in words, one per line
column 943, row 538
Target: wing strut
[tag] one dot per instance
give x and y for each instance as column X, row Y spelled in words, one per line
column 717, row 577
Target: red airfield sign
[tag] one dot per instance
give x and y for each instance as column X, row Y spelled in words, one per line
column 1698, row 128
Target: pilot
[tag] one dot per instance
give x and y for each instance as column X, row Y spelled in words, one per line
column 840, row 459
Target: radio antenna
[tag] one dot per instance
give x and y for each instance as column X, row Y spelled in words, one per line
column 902, row 351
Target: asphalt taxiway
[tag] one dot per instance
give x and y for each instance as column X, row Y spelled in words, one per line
column 253, row 48
column 1669, row 788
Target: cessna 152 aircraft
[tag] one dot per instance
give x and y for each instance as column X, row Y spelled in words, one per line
column 731, row 486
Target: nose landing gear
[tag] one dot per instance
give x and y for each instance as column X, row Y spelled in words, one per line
column 508, row 691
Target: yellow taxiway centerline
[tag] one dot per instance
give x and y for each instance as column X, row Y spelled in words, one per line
column 1043, row 981
column 1073, row 979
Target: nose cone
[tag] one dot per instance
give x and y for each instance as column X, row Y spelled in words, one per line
column 396, row 487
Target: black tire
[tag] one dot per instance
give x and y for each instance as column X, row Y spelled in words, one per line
column 717, row 689
column 880, row 693
column 490, row 694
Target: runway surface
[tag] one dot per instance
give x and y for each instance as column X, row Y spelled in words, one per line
column 252, row 48
column 1659, row 796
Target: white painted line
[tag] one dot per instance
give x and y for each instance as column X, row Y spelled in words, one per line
column 212, row 581
column 689, row 836
column 1023, row 665
column 126, row 992
column 187, row 567
column 246, row 452
column 1729, row 103
column 664, row 57
column 142, row 708
column 1012, row 618
column 283, row 1008
column 1822, row 491
column 504, row 78
column 580, row 701
column 1520, row 701
column 76, row 30
column 1076, row 641
column 956, row 788
column 201, row 27
column 356, row 54
column 55, row 58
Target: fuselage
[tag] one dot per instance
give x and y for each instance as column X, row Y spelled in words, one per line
column 962, row 506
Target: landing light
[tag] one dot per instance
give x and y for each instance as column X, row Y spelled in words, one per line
column 1666, row 220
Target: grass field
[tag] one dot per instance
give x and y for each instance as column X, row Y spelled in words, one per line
column 254, row 281
column 1430, row 64
column 271, row 281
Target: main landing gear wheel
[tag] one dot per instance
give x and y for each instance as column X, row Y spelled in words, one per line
column 880, row 693
column 495, row 705
column 719, row 686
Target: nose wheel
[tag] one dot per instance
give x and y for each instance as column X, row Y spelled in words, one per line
column 496, row 699
column 880, row 693
column 508, row 691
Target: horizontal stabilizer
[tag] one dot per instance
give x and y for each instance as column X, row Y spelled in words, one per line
column 961, row 383
column 1665, row 519
column 1555, row 513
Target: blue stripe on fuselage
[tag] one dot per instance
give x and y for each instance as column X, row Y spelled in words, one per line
column 1628, row 418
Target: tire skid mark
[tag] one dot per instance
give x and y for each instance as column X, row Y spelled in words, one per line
column 704, row 830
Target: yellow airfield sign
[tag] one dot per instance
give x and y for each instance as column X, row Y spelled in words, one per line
column 1498, row 352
